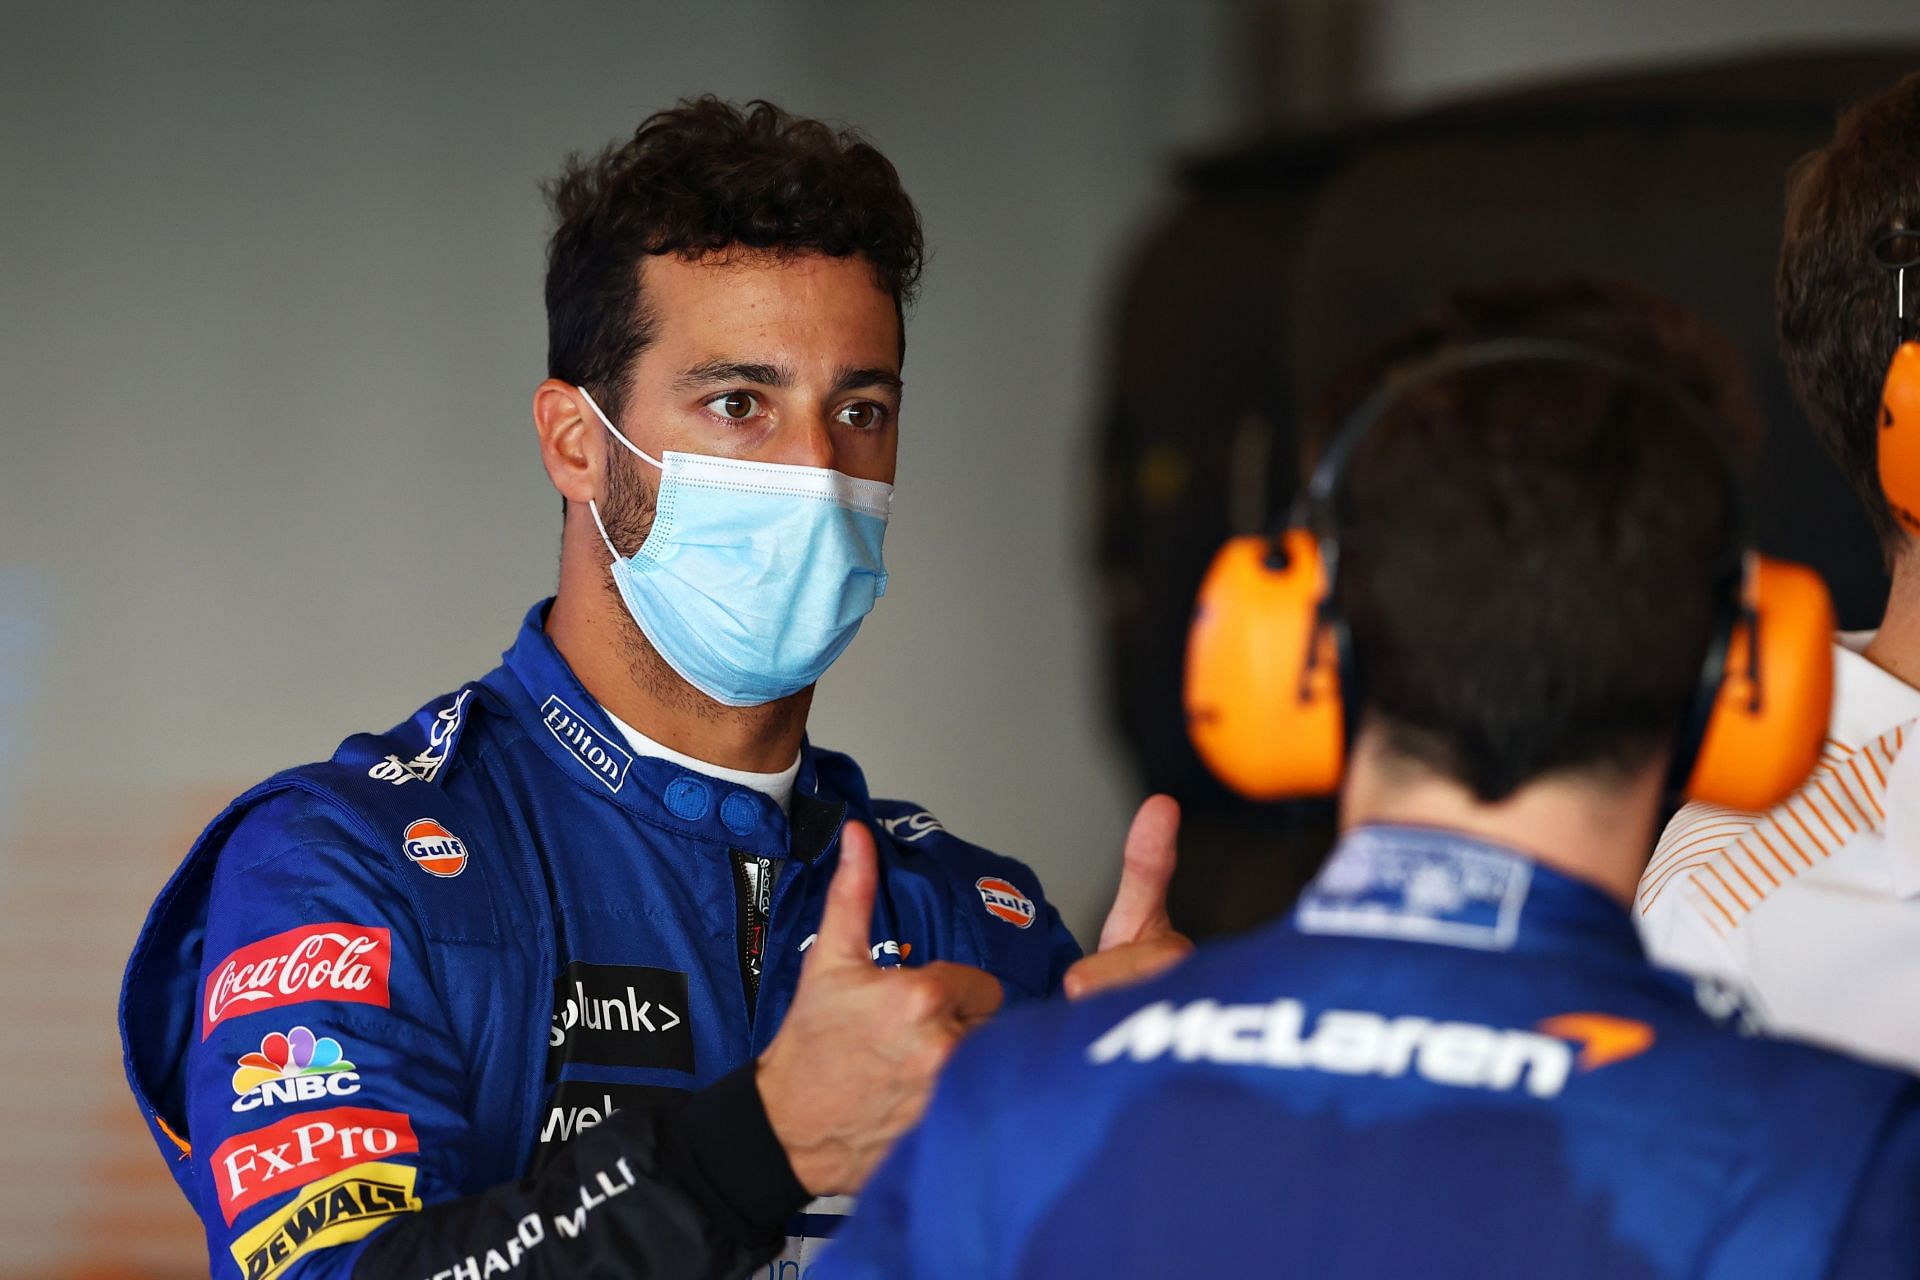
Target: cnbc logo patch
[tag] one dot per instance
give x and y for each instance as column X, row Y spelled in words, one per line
column 334, row 1210
column 295, row 1067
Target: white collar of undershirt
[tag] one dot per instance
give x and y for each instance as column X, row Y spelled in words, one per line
column 777, row 787
column 1867, row 700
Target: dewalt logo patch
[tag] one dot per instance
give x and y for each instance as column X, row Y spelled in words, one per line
column 335, row 1210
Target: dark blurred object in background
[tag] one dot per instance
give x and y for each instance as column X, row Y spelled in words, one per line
column 1285, row 260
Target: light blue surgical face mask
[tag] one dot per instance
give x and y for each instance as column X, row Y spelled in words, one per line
column 756, row 575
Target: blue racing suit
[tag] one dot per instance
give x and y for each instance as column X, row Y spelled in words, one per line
column 1448, row 1061
column 439, row 1000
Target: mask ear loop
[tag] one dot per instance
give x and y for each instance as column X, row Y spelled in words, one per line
column 607, row 422
column 593, row 508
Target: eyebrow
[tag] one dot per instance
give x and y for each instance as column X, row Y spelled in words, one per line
column 711, row 372
column 851, row 379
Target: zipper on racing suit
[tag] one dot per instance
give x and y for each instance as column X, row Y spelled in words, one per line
column 753, row 879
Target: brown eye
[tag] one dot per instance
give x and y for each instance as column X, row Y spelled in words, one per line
column 735, row 406
column 863, row 415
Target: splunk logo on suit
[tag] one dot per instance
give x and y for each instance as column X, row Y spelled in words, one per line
column 1355, row 1042
column 606, row 761
column 618, row 1015
column 294, row 1066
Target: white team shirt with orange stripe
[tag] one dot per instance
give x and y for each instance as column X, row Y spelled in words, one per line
column 1813, row 908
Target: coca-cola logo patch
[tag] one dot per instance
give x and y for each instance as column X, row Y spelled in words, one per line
column 347, row 963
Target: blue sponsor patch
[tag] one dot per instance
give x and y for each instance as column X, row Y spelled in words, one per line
column 1419, row 885
column 602, row 758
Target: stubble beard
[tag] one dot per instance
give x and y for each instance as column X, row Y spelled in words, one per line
column 628, row 513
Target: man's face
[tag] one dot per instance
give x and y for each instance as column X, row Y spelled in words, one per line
column 776, row 358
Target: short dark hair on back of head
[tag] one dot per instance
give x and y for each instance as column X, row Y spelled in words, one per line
column 1835, row 301
column 1528, row 548
column 704, row 177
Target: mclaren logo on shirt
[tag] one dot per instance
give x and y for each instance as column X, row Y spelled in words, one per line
column 1355, row 1042
column 334, row 1210
column 616, row 1015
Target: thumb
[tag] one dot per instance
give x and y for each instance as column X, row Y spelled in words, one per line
column 848, row 916
column 1140, row 904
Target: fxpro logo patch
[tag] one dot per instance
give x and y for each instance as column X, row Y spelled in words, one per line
column 1356, row 1042
column 249, row 1167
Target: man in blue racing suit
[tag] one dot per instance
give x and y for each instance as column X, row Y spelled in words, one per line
column 1452, row 1058
column 537, row 983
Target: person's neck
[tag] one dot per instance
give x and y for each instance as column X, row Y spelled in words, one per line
column 1595, row 832
column 616, row 665
column 1896, row 645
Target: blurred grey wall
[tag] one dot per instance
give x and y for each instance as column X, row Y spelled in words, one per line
column 269, row 323
column 1423, row 50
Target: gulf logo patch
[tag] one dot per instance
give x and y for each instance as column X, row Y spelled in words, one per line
column 1004, row 901
column 434, row 849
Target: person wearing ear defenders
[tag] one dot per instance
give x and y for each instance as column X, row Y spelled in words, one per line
column 1812, row 904
column 1514, row 613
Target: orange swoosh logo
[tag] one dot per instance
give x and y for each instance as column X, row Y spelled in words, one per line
column 1602, row 1038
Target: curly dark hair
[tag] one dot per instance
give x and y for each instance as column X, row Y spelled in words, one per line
column 1528, row 549
column 1834, row 299
column 702, row 177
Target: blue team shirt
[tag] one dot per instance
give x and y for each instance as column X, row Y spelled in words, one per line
column 1448, row 1061
column 406, row 974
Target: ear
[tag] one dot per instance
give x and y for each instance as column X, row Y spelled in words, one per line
column 572, row 441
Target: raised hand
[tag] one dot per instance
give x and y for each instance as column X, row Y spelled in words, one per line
column 853, row 1064
column 1138, row 939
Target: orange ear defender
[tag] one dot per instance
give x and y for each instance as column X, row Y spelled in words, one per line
column 1899, row 436
column 1263, row 681
column 1765, row 703
column 1270, row 685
